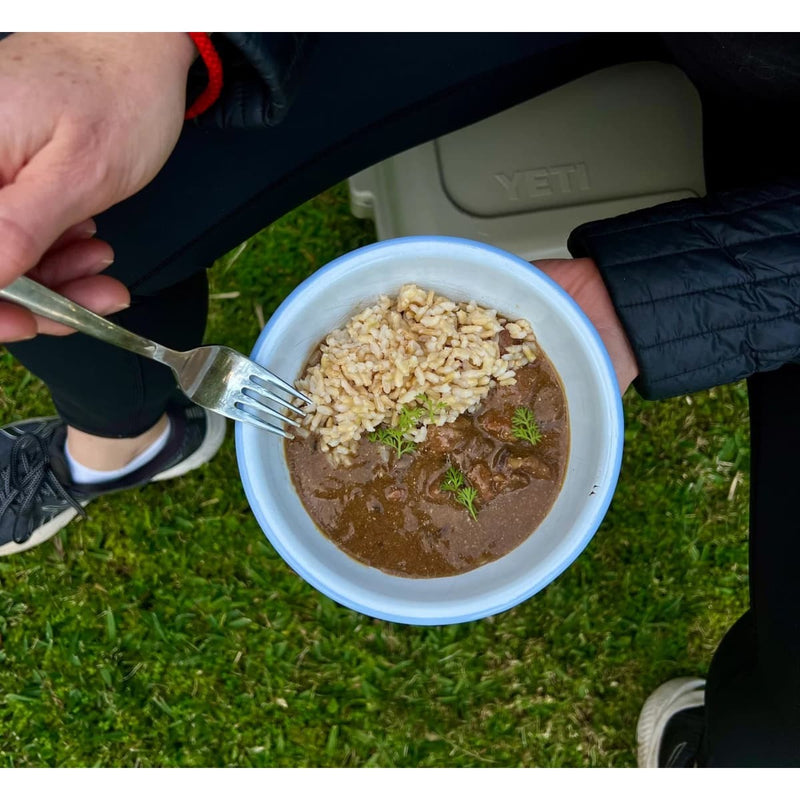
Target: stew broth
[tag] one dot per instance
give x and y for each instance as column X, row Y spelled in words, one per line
column 392, row 513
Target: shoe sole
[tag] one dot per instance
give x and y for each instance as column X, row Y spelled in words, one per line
column 212, row 441
column 43, row 532
column 671, row 697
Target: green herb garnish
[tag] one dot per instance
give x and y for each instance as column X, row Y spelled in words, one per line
column 394, row 438
column 407, row 419
column 430, row 407
column 523, row 425
column 455, row 482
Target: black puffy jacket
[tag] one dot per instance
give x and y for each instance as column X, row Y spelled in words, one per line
column 707, row 290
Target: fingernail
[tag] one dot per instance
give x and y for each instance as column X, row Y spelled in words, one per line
column 119, row 308
column 88, row 230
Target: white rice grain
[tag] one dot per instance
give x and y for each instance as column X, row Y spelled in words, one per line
column 399, row 348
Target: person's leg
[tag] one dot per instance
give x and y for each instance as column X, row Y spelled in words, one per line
column 753, row 690
column 122, row 424
column 106, row 391
column 749, row 714
column 752, row 695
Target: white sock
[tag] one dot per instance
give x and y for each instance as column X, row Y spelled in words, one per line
column 83, row 474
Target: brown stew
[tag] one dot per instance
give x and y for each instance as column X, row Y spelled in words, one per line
column 391, row 513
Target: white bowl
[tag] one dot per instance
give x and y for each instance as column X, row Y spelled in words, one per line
column 462, row 270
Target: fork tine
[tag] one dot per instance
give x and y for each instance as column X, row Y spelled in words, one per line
column 265, row 376
column 260, row 403
column 264, row 392
column 243, row 413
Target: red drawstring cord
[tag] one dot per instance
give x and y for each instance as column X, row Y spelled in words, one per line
column 213, row 64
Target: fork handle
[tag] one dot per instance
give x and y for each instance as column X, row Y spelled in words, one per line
column 55, row 306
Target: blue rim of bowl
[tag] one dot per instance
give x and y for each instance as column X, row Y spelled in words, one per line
column 529, row 591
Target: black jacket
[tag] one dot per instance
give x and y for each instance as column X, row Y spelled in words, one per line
column 261, row 75
column 707, row 290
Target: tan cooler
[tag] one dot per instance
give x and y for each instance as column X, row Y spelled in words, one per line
column 619, row 139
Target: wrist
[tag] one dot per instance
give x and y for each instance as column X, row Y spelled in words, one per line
column 178, row 47
column 612, row 332
column 173, row 52
column 581, row 278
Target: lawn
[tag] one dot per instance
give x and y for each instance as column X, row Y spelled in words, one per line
column 165, row 630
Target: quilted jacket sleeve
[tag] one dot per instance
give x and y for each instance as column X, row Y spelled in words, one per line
column 261, row 72
column 707, row 290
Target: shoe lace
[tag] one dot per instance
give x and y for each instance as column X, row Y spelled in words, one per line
column 27, row 473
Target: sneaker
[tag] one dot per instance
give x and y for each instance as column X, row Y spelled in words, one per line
column 37, row 496
column 670, row 726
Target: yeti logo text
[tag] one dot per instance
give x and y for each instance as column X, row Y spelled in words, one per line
column 545, row 181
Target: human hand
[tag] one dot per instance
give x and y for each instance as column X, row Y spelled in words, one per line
column 86, row 120
column 581, row 279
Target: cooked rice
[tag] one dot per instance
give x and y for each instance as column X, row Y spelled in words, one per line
column 417, row 343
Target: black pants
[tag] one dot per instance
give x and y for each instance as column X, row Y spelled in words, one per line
column 365, row 98
column 753, row 686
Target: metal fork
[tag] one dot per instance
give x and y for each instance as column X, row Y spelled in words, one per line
column 215, row 377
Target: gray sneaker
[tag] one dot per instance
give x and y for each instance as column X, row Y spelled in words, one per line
column 37, row 496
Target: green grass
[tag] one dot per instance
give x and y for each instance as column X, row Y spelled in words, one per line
column 165, row 631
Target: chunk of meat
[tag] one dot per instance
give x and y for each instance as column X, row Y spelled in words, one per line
column 497, row 422
column 531, row 465
column 548, row 405
column 447, row 438
column 441, row 440
column 480, row 476
column 396, row 493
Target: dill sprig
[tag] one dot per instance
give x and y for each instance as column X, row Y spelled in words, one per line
column 431, row 407
column 453, row 479
column 523, row 425
column 394, row 438
column 407, row 419
column 455, row 482
column 467, row 497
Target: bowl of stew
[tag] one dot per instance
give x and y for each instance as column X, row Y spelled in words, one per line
column 457, row 467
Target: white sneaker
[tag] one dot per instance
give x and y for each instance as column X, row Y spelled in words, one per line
column 672, row 697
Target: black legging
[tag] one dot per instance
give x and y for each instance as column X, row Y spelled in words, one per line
column 365, row 98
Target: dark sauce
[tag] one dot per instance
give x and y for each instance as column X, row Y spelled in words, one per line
column 392, row 514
